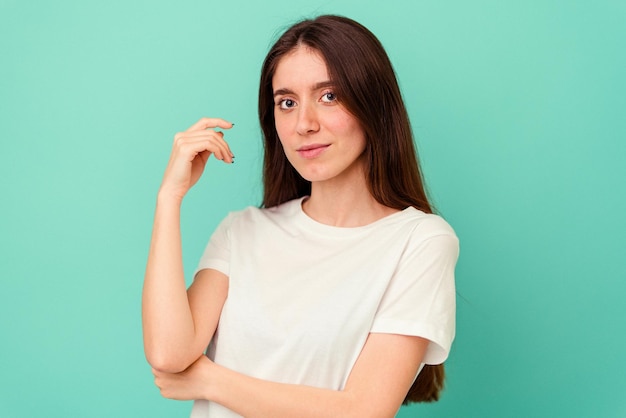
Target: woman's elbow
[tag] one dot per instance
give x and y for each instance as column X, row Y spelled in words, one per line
column 166, row 362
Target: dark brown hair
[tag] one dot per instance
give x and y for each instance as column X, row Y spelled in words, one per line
column 366, row 85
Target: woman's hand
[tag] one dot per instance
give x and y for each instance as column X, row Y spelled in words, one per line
column 191, row 384
column 192, row 148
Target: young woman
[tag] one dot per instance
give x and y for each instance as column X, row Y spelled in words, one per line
column 329, row 299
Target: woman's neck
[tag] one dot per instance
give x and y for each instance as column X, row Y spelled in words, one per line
column 344, row 204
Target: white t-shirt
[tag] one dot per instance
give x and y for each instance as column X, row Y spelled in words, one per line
column 303, row 296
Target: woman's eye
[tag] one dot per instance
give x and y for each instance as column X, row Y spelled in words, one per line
column 329, row 97
column 286, row 104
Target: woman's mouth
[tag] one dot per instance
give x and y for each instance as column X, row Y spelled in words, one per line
column 312, row 150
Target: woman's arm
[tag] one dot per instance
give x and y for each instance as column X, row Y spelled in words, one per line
column 176, row 327
column 376, row 387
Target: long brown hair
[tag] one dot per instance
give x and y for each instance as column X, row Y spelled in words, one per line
column 366, row 85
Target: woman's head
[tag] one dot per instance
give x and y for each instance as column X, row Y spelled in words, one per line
column 365, row 84
column 321, row 139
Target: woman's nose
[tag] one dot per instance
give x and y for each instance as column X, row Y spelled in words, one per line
column 307, row 120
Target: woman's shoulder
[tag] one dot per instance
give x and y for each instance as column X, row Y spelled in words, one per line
column 256, row 214
column 427, row 224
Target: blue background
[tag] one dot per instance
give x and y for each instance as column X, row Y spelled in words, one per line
column 518, row 110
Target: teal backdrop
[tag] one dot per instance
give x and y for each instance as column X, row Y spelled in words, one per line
column 518, row 108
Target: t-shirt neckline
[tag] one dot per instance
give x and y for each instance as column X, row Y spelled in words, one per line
column 341, row 231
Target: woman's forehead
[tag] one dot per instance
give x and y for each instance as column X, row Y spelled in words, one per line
column 303, row 65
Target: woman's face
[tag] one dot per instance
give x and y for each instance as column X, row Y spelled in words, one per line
column 321, row 139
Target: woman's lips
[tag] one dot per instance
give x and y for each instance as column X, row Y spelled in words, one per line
column 312, row 151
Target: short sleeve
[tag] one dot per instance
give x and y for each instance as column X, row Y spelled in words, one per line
column 217, row 252
column 420, row 299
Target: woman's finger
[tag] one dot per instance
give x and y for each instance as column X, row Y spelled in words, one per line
column 206, row 123
column 213, row 141
column 198, row 135
column 220, row 148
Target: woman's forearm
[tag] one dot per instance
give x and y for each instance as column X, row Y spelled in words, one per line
column 375, row 388
column 168, row 327
column 255, row 398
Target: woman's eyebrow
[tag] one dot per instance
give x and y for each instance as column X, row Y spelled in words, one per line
column 316, row 86
column 281, row 92
column 323, row 84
